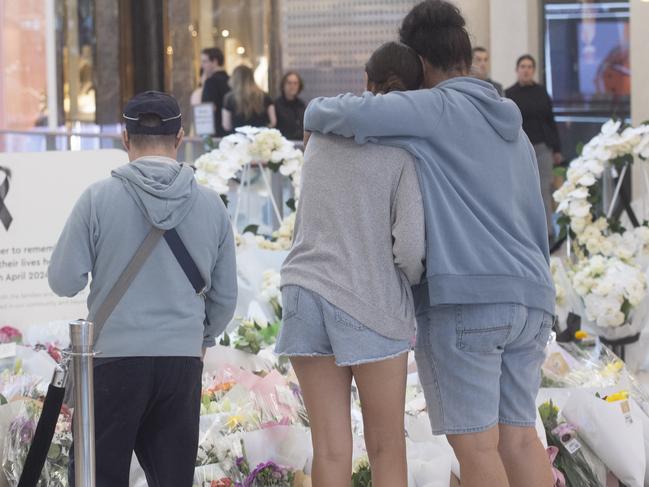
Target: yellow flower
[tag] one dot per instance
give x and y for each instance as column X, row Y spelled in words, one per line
column 234, row 421
column 613, row 368
column 617, row 396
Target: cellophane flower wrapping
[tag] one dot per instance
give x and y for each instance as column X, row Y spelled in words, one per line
column 18, row 440
column 613, row 430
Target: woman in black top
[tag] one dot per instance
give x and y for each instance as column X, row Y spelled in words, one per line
column 290, row 108
column 247, row 104
column 539, row 125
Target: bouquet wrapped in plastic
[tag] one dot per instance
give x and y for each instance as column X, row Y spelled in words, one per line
column 575, row 365
column 612, row 426
column 18, row 440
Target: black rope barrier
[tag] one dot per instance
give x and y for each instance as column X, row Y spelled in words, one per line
column 42, row 437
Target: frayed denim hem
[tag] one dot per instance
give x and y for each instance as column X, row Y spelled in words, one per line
column 464, row 431
column 520, row 424
column 303, row 354
column 371, row 360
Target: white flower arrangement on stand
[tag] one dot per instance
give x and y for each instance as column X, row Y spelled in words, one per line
column 613, row 144
column 237, row 153
column 249, row 145
column 609, row 262
column 610, row 289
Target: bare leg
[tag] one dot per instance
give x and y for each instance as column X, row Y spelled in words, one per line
column 480, row 462
column 382, row 389
column 326, row 389
column 526, row 462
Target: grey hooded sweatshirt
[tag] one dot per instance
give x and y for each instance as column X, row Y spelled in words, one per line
column 160, row 315
column 486, row 232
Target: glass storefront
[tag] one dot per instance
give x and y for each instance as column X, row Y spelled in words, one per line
column 23, row 77
column 238, row 27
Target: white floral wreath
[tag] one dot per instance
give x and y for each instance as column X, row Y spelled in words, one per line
column 249, row 145
column 608, row 275
column 236, row 153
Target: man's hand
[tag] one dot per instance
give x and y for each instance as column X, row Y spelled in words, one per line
column 558, row 158
column 203, row 355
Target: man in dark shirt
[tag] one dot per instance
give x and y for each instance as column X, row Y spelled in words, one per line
column 216, row 84
column 535, row 105
column 480, row 68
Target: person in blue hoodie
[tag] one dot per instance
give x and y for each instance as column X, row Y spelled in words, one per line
column 147, row 378
column 486, row 307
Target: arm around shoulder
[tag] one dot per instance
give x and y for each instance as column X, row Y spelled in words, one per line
column 396, row 114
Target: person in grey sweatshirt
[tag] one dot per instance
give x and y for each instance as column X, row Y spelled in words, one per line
column 147, row 382
column 485, row 310
column 346, row 288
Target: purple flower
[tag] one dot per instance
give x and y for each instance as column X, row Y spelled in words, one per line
column 267, row 471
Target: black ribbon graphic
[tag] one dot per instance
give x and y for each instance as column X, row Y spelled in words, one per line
column 5, row 216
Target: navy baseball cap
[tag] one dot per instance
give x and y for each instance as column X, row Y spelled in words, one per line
column 157, row 103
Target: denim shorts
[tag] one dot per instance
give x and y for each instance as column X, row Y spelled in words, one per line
column 314, row 327
column 480, row 364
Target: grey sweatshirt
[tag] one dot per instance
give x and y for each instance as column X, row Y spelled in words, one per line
column 359, row 233
column 160, row 315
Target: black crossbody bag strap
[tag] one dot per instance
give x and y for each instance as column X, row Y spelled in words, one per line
column 185, row 260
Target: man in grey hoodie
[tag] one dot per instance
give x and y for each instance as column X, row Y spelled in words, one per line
column 148, row 379
column 485, row 311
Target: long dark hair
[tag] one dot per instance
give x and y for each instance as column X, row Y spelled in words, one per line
column 394, row 67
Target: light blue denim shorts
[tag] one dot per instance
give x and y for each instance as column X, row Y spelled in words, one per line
column 314, row 327
column 480, row 364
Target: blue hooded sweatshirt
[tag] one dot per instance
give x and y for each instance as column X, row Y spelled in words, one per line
column 486, row 232
column 160, row 314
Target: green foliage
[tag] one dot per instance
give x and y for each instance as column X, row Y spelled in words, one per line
column 209, row 144
column 574, row 466
column 251, row 337
column 362, row 477
column 291, row 204
column 564, row 224
column 274, row 166
column 626, row 308
column 615, row 226
column 251, row 229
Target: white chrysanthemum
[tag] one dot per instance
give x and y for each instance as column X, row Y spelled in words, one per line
column 270, row 285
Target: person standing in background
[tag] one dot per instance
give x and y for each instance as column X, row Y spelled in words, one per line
column 480, row 67
column 216, row 84
column 290, row 108
column 539, row 125
column 247, row 103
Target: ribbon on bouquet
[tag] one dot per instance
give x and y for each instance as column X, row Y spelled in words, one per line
column 559, row 479
column 5, row 216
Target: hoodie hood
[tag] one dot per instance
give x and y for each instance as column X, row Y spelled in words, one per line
column 165, row 192
column 501, row 113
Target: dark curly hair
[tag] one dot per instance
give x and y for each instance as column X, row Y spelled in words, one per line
column 437, row 31
column 394, row 67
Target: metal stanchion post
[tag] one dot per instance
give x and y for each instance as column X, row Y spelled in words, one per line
column 81, row 336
